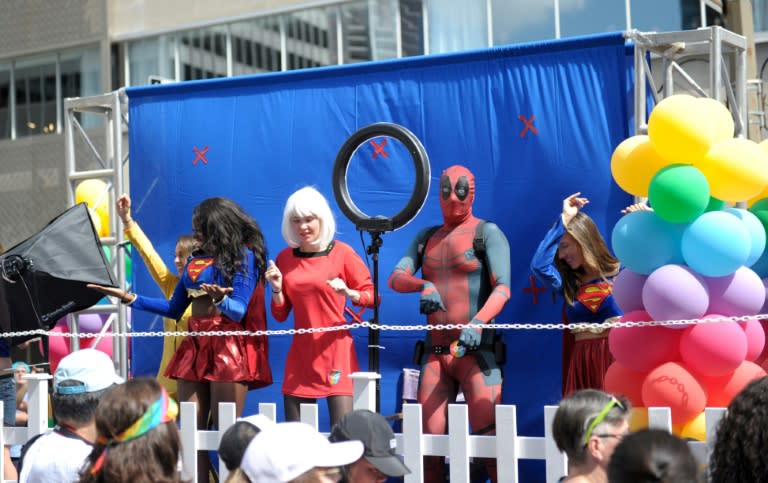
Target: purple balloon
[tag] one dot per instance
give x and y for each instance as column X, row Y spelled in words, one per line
column 628, row 290
column 89, row 322
column 675, row 292
column 740, row 293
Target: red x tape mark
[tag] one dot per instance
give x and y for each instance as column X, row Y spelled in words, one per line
column 379, row 148
column 534, row 290
column 528, row 125
column 200, row 155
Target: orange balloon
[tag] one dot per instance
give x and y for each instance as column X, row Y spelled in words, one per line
column 625, row 382
column 638, row 418
column 721, row 390
column 672, row 385
column 695, row 429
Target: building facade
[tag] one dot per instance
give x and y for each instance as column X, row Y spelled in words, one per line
column 87, row 47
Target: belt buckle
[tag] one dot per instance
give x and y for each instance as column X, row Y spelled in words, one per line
column 457, row 350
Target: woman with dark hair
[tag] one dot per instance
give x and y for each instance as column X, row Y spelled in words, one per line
column 741, row 438
column 575, row 261
column 587, row 427
column 653, row 456
column 223, row 281
column 137, row 439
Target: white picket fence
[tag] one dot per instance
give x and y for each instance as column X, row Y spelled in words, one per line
column 507, row 446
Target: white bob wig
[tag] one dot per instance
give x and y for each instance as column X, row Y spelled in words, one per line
column 308, row 202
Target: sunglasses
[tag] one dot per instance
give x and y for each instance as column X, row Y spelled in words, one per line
column 600, row 417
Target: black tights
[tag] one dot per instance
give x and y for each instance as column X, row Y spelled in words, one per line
column 338, row 406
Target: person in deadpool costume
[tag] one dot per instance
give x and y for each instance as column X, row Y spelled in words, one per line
column 458, row 285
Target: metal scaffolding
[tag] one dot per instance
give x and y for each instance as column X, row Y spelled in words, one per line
column 724, row 51
column 111, row 160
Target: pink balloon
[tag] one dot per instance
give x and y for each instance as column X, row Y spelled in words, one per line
column 628, row 290
column 672, row 385
column 89, row 323
column 755, row 333
column 58, row 346
column 740, row 293
column 104, row 345
column 674, row 292
column 713, row 349
column 643, row 348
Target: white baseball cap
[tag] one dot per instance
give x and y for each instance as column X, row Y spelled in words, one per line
column 93, row 368
column 285, row 451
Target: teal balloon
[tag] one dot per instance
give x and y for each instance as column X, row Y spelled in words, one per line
column 716, row 244
column 755, row 230
column 679, row 193
column 715, row 204
column 644, row 242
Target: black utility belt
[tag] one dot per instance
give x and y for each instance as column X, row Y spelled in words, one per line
column 445, row 349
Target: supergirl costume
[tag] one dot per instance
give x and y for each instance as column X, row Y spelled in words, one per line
column 166, row 280
column 218, row 358
column 319, row 364
column 585, row 351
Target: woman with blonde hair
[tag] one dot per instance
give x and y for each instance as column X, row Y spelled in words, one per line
column 574, row 260
column 314, row 277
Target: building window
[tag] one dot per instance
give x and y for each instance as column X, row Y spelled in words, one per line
column 33, row 89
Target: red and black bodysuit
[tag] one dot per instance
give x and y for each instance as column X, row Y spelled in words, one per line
column 456, row 289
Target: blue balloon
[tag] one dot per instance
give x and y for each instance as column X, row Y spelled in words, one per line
column 755, row 231
column 644, row 242
column 760, row 267
column 716, row 244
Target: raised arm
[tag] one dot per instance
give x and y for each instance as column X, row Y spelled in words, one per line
column 163, row 277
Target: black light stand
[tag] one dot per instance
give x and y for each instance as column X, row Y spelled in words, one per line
column 378, row 225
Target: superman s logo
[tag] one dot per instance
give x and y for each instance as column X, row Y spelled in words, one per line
column 592, row 295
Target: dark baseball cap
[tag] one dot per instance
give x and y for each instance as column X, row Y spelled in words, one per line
column 376, row 435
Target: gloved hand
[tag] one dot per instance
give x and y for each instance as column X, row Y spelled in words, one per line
column 430, row 299
column 470, row 337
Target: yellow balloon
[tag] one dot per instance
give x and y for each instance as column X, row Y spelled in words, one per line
column 95, row 193
column 634, row 163
column 96, row 221
column 695, row 428
column 720, row 116
column 638, row 418
column 681, row 130
column 737, row 169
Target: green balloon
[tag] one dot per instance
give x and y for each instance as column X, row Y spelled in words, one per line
column 679, row 193
column 715, row 204
column 759, row 205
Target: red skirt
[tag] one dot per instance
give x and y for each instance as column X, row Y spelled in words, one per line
column 221, row 358
column 588, row 362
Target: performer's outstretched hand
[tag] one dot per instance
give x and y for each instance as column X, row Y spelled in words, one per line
column 216, row 292
column 124, row 296
column 430, row 299
column 572, row 205
column 470, row 337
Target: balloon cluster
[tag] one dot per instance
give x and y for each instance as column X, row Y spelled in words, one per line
column 59, row 346
column 95, row 194
column 693, row 257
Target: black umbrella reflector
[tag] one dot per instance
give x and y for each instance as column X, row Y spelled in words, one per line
column 44, row 277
